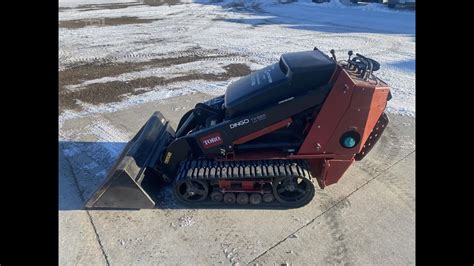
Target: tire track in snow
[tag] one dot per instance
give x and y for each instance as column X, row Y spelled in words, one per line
column 208, row 56
column 340, row 252
column 189, row 21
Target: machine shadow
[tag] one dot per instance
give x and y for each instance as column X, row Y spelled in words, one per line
column 83, row 166
column 405, row 65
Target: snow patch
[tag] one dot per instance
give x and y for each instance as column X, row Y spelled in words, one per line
column 257, row 35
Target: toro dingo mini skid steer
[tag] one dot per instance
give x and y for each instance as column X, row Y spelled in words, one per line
column 274, row 134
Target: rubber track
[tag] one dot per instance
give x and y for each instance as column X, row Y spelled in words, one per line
column 235, row 170
column 211, row 170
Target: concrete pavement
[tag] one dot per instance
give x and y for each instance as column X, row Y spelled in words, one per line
column 368, row 218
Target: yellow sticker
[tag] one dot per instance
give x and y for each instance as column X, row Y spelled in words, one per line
column 168, row 157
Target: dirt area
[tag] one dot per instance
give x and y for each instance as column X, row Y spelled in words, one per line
column 113, row 91
column 162, row 2
column 105, row 6
column 103, row 22
column 90, row 7
column 80, row 73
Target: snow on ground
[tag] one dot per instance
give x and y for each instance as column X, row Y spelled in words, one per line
column 255, row 33
column 139, row 40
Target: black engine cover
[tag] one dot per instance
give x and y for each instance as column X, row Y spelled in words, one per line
column 293, row 75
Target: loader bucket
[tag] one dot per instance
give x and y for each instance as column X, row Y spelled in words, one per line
column 122, row 188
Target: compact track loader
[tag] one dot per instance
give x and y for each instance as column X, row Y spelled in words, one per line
column 274, row 134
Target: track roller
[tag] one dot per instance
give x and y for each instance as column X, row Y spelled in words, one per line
column 268, row 198
column 217, row 196
column 242, row 198
column 229, row 198
column 255, row 199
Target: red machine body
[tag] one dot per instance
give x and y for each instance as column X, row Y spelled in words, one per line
column 264, row 143
column 352, row 104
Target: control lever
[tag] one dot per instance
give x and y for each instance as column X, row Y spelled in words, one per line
column 369, row 66
column 333, row 54
column 349, row 59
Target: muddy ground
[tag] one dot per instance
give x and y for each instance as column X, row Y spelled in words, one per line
column 114, row 91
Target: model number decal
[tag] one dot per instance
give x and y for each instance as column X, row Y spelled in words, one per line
column 211, row 140
column 258, row 118
column 240, row 123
